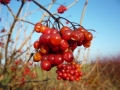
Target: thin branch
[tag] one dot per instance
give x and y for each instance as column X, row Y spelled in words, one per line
column 73, row 3
column 47, row 9
column 31, row 12
column 25, row 41
column 33, row 81
column 44, row 9
column 10, row 10
column 98, row 75
column 22, row 52
column 18, row 33
column 5, row 35
column 9, row 36
column 17, row 36
column 83, row 12
column 25, row 21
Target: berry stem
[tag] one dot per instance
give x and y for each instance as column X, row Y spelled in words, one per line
column 44, row 9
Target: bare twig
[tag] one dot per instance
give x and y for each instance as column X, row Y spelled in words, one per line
column 5, row 35
column 45, row 12
column 14, row 53
column 34, row 81
column 17, row 36
column 9, row 36
column 25, row 41
column 22, row 52
column 25, row 21
column 73, row 3
column 44, row 9
column 83, row 12
column 10, row 10
column 98, row 75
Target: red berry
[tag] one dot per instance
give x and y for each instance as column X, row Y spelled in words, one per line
column 44, row 38
column 88, row 36
column 51, row 59
column 64, row 44
column 5, row 1
column 72, row 44
column 55, row 39
column 44, row 49
column 61, row 9
column 75, row 36
column 86, row 44
column 68, row 56
column 58, row 59
column 37, row 27
column 46, row 65
column 36, row 44
column 63, row 29
column 67, row 35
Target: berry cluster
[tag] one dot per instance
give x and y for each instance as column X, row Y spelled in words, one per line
column 55, row 48
column 4, row 1
column 70, row 71
column 61, row 9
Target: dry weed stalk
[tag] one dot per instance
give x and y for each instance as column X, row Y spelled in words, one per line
column 84, row 9
column 16, row 21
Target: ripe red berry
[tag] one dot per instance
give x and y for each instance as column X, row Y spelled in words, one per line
column 63, row 29
column 72, row 44
column 61, row 9
column 58, row 59
column 86, row 44
column 46, row 65
column 64, row 44
column 5, row 2
column 68, row 56
column 51, row 58
column 37, row 27
column 36, row 44
column 55, row 39
column 88, row 36
column 67, row 35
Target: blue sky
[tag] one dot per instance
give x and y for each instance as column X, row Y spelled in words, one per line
column 101, row 15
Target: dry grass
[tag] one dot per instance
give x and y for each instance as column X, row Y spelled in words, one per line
column 102, row 74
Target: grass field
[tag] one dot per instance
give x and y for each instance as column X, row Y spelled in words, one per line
column 102, row 74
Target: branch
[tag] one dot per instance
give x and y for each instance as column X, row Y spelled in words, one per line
column 25, row 21
column 9, row 36
column 73, row 3
column 22, row 52
column 44, row 9
column 33, row 81
column 25, row 41
column 14, row 53
column 47, row 9
column 83, row 12
column 4, row 35
column 10, row 10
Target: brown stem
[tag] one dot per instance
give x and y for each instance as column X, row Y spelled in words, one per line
column 10, row 10
column 4, row 35
column 34, row 81
column 25, row 21
column 44, row 9
column 9, row 36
